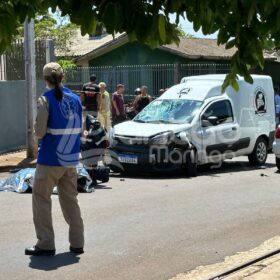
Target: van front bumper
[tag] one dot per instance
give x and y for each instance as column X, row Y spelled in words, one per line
column 142, row 158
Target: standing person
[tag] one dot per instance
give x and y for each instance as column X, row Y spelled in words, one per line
column 117, row 108
column 277, row 105
column 104, row 114
column 58, row 124
column 89, row 97
column 142, row 100
column 131, row 110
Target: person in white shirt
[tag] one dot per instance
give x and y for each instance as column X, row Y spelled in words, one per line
column 104, row 113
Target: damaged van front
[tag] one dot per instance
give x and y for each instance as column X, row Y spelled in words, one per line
column 158, row 138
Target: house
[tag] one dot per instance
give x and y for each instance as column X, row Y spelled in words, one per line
column 109, row 51
column 115, row 59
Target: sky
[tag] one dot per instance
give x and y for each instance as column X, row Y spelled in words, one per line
column 188, row 28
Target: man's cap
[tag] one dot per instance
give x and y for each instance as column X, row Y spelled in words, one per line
column 92, row 77
column 51, row 68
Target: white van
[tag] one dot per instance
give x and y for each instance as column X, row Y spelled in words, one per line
column 193, row 123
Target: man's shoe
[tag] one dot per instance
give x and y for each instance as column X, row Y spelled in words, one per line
column 36, row 251
column 76, row 250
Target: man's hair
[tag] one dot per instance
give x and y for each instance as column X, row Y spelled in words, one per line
column 144, row 88
column 120, row 86
column 102, row 84
column 92, row 78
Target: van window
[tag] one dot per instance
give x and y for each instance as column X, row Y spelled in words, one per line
column 169, row 111
column 220, row 109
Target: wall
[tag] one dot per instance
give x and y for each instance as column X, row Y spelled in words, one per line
column 12, row 113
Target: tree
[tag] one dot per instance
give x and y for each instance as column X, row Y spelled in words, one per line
column 55, row 27
column 250, row 26
column 182, row 33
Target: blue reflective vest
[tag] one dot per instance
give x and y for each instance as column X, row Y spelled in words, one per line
column 61, row 144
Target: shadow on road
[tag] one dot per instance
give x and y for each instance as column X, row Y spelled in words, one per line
column 102, row 187
column 232, row 167
column 204, row 170
column 147, row 175
column 48, row 263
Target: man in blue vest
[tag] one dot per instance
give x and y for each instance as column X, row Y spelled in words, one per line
column 58, row 124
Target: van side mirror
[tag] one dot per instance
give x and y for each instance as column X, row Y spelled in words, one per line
column 210, row 121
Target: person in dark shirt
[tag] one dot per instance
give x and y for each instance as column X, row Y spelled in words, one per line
column 117, row 108
column 89, row 96
column 142, row 100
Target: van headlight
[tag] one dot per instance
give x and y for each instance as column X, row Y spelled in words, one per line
column 162, row 139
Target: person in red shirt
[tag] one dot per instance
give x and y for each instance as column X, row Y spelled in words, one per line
column 118, row 108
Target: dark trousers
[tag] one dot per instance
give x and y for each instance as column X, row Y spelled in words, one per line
column 118, row 119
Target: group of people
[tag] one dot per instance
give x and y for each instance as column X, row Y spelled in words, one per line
column 110, row 110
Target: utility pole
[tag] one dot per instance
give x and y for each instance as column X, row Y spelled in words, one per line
column 30, row 77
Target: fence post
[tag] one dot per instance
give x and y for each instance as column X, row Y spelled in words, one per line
column 176, row 73
column 30, row 77
column 3, row 69
column 114, row 76
column 49, row 51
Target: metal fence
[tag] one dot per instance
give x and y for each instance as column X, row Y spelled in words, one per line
column 12, row 65
column 156, row 77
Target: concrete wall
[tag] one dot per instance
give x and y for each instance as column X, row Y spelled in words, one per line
column 12, row 113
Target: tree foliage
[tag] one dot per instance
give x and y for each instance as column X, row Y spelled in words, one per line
column 55, row 27
column 184, row 34
column 249, row 25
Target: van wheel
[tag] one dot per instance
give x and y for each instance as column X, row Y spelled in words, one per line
column 278, row 163
column 191, row 164
column 259, row 154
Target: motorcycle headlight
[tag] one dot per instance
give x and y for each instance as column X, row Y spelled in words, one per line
column 162, row 139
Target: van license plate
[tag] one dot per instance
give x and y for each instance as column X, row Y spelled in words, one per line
column 128, row 159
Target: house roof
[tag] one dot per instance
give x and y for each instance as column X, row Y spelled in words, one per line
column 195, row 48
column 192, row 48
column 81, row 45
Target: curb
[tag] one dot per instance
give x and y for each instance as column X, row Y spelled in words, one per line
column 263, row 254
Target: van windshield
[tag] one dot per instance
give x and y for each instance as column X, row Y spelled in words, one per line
column 169, row 111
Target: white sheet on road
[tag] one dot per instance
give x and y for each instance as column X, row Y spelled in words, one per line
column 22, row 181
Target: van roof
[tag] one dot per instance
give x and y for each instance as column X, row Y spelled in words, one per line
column 201, row 87
column 219, row 77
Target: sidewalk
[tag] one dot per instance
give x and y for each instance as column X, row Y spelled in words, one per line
column 15, row 160
column 267, row 269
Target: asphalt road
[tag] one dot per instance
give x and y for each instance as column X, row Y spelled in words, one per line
column 149, row 228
